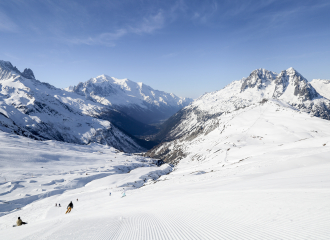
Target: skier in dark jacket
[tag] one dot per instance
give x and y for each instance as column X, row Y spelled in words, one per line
column 70, row 206
column 19, row 222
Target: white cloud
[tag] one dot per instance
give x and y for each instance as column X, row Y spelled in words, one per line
column 150, row 24
column 6, row 24
column 107, row 39
column 205, row 12
column 146, row 26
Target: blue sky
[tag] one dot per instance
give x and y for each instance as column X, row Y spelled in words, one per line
column 187, row 47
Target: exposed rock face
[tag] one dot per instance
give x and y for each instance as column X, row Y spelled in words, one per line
column 5, row 65
column 205, row 114
column 259, row 79
column 27, row 73
column 301, row 88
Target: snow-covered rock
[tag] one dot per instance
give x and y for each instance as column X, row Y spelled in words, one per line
column 137, row 100
column 38, row 110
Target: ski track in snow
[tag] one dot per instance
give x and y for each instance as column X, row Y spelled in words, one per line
column 184, row 224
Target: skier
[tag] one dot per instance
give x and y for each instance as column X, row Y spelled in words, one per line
column 124, row 193
column 77, row 199
column 70, row 206
column 19, row 222
column 55, row 204
column 59, row 205
column 110, row 194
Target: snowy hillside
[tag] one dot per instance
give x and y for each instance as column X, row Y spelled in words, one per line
column 289, row 88
column 262, row 173
column 322, row 86
column 262, row 125
column 137, row 100
column 33, row 170
column 34, row 109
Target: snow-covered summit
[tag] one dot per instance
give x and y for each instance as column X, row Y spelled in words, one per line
column 292, row 86
column 117, row 90
column 259, row 78
column 138, row 100
column 288, row 86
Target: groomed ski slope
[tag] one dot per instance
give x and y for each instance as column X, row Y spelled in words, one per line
column 269, row 185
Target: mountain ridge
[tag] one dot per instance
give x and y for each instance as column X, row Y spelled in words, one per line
column 203, row 116
column 137, row 100
column 39, row 110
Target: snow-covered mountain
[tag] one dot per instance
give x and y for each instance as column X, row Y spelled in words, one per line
column 257, row 167
column 265, row 183
column 214, row 112
column 137, row 100
column 38, row 110
column 322, row 86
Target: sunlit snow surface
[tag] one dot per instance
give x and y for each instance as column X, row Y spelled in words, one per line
column 265, row 175
column 322, row 86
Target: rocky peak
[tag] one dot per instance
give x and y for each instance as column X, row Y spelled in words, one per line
column 6, row 65
column 28, row 73
column 259, row 78
column 302, row 89
column 291, row 71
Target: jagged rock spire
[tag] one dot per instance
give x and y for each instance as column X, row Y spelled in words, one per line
column 28, row 73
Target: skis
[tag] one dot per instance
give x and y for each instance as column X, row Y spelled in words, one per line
column 18, row 226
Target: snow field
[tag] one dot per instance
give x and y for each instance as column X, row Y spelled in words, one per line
column 178, row 209
column 33, row 170
column 274, row 159
column 263, row 173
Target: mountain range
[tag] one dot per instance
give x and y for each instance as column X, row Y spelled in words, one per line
column 115, row 111
column 41, row 111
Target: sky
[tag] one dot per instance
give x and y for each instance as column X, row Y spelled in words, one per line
column 186, row 47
